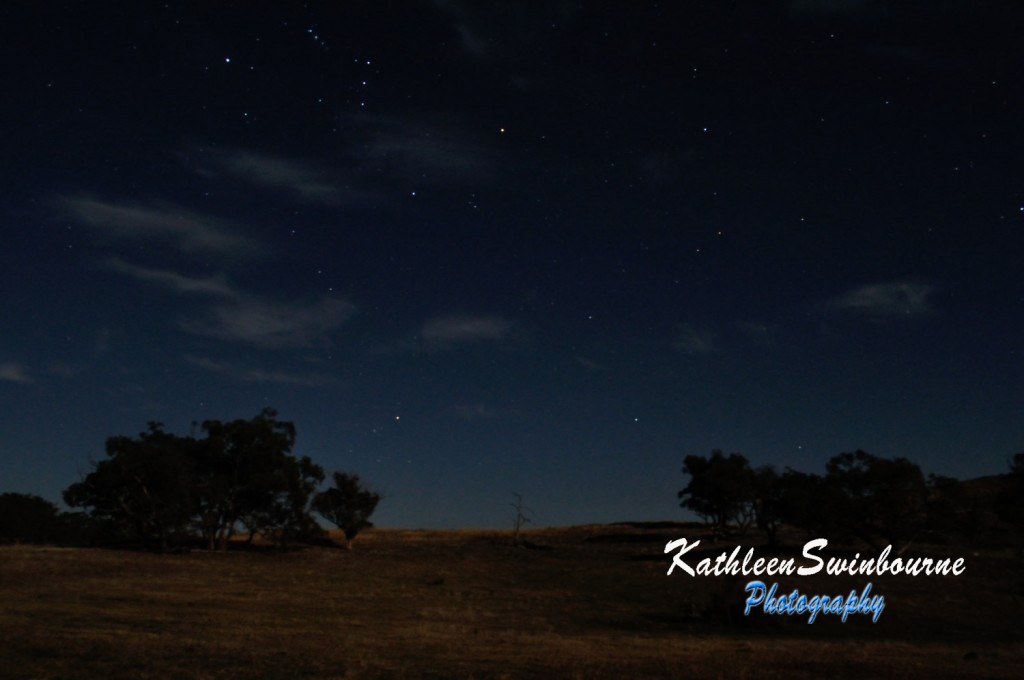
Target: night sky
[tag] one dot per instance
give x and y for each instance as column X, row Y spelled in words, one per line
column 477, row 248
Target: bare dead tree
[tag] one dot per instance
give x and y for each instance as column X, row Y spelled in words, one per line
column 523, row 516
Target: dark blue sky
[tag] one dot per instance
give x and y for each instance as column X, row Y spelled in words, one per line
column 472, row 249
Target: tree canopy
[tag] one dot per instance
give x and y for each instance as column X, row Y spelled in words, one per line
column 25, row 518
column 720, row 489
column 860, row 496
column 163, row 490
column 347, row 505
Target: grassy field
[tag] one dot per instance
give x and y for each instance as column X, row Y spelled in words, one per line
column 584, row 602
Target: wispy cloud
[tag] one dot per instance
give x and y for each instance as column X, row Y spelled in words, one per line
column 308, row 182
column 589, row 364
column 419, row 151
column 271, row 324
column 178, row 282
column 235, row 316
column 473, row 42
column 447, row 331
column 257, row 375
column 14, row 372
column 163, row 223
column 899, row 298
column 695, row 339
column 384, row 153
column 508, row 31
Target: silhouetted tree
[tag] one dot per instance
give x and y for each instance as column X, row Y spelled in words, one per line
column 281, row 505
column 766, row 501
column 143, row 490
column 79, row 529
column 347, row 505
column 806, row 500
column 721, row 489
column 25, row 518
column 246, row 476
column 878, row 498
column 160, row 488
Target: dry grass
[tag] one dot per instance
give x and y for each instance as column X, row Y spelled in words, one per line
column 465, row 604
